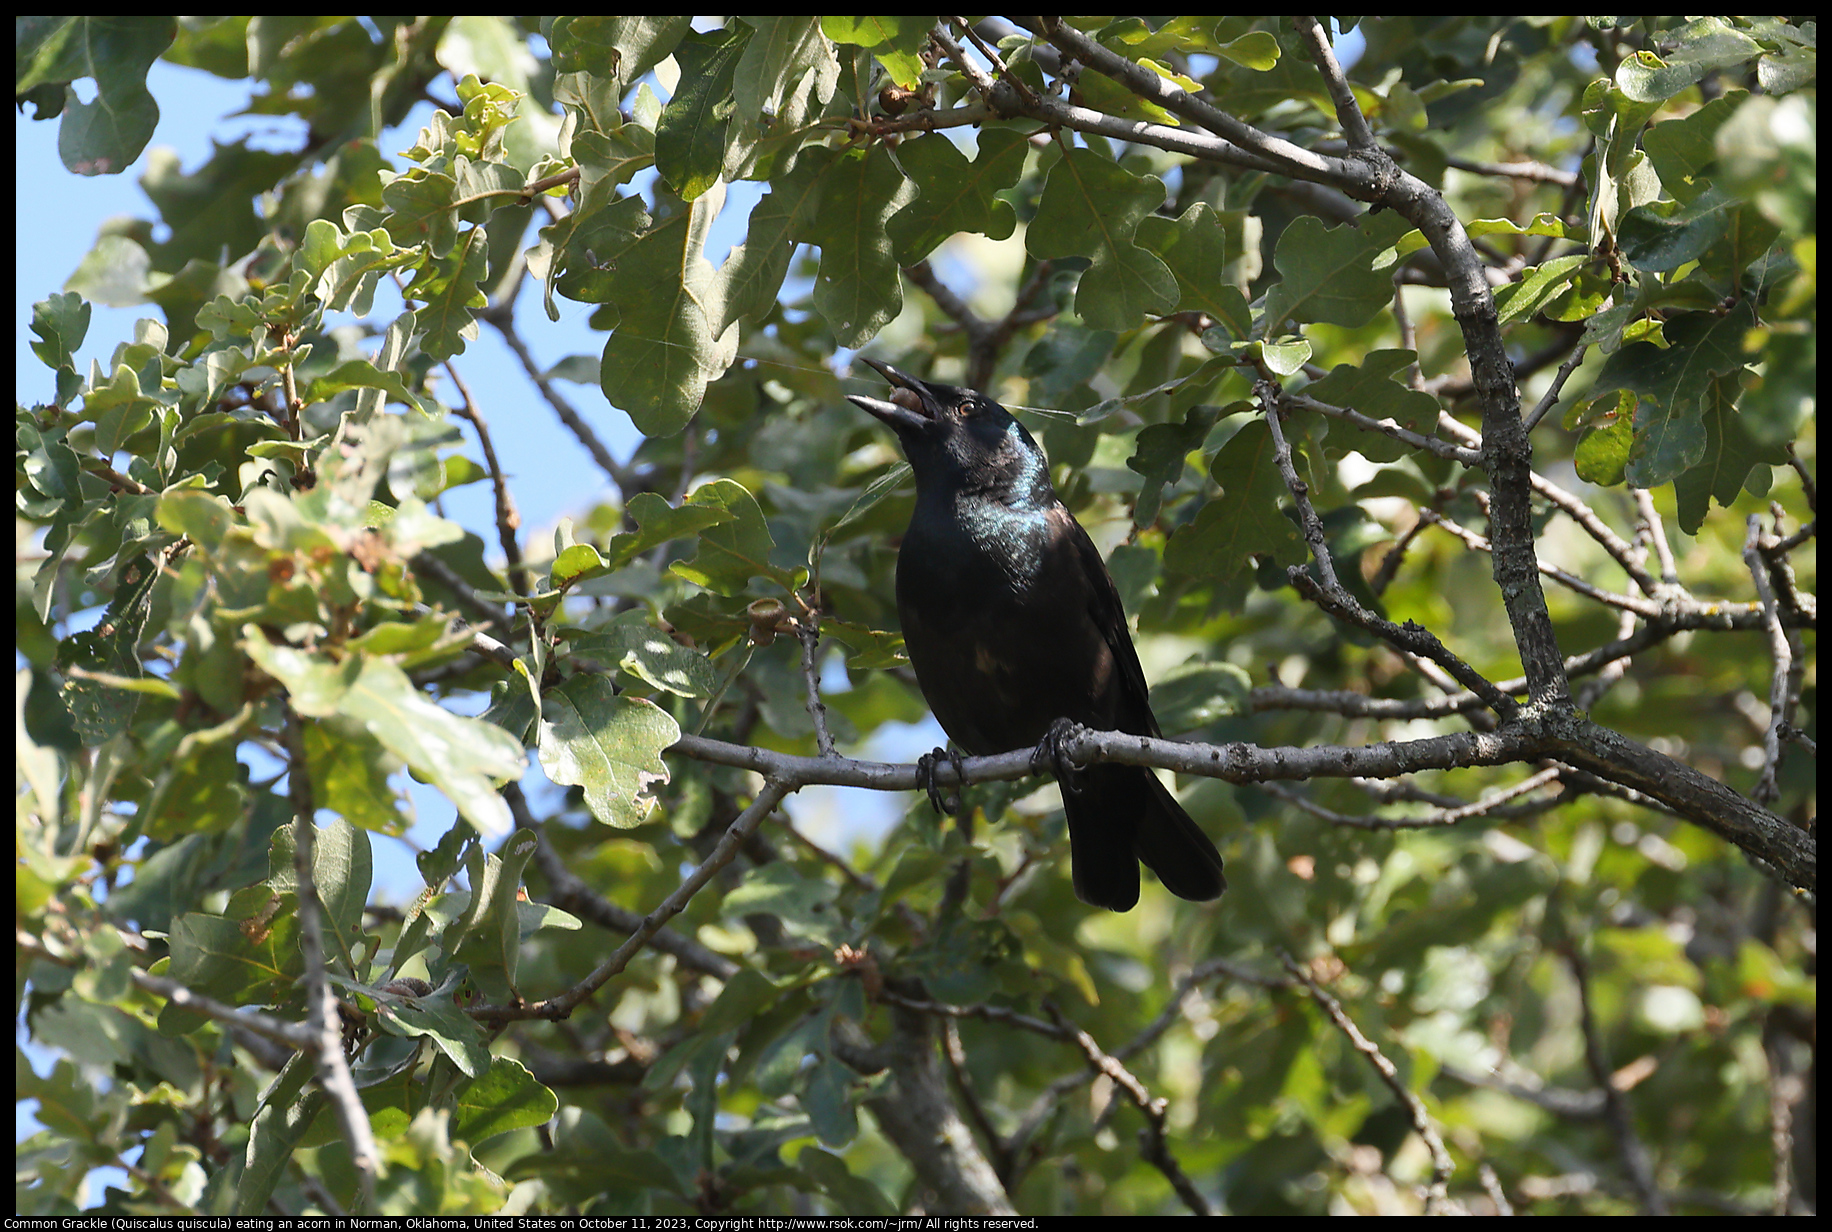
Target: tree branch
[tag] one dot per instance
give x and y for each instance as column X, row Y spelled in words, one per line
column 321, row 1015
column 1437, row 1194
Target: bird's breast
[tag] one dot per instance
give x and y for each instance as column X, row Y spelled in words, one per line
column 995, row 613
column 974, row 550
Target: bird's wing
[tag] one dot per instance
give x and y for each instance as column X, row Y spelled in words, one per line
column 1109, row 617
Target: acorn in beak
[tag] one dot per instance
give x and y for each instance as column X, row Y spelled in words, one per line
column 912, row 404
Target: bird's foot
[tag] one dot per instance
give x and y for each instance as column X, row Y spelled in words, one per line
column 1049, row 753
column 925, row 779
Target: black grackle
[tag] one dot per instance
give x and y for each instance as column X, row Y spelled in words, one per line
column 1015, row 630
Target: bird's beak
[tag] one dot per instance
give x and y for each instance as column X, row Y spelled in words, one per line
column 912, row 406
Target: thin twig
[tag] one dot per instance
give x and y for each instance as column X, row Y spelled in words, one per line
column 1329, row 593
column 1387, row 427
column 808, row 632
column 624, row 477
column 1570, row 581
column 1785, row 1089
column 1348, row 111
column 1528, row 170
column 956, row 1052
column 1437, row 1194
column 1490, row 805
column 1550, row 398
column 1396, row 555
column 1623, row 553
column 1152, row 1140
column 487, row 613
column 1194, row 979
column 508, row 521
column 1657, row 536
column 321, row 1013
column 292, row 1035
column 1807, row 487
column 726, row 850
column 1592, row 690
column 1491, row 1185
column 1615, row 1106
column 569, row 893
column 1768, row 786
column 991, row 1013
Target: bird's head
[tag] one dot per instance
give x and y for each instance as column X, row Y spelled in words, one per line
column 960, row 440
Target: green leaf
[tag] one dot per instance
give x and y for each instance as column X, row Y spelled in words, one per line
column 290, row 1105
column 1257, row 49
column 251, row 961
column 632, row 643
column 1730, row 455
column 347, row 266
column 505, row 1098
column 1162, row 451
column 609, row 745
column 104, row 136
column 827, row 1097
column 436, row 1018
column 1601, row 456
column 61, row 322
column 343, row 867
column 664, row 351
column 593, row 244
column 897, row 41
column 1538, row 287
column 1091, row 207
column 1680, row 149
column 1705, row 45
column 206, row 520
column 1670, row 385
column 1284, row 356
column 1198, row 693
column 452, row 292
column 745, row 996
column 1132, row 37
column 805, row 905
column 350, row 771
column 784, row 60
column 609, row 159
column 858, row 288
column 737, row 548
column 99, row 710
column 657, row 523
column 753, row 273
column 872, row 649
column 1195, row 247
column 464, row 758
column 1372, row 389
column 1245, row 520
column 854, row 1194
column 315, row 684
column 421, row 212
column 1541, row 224
column 955, row 195
column 1663, row 235
column 622, row 47
column 690, row 137
column 201, row 791
column 357, row 374
column 1329, row 274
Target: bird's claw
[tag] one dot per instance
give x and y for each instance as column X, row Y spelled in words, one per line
column 1049, row 752
column 925, row 779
